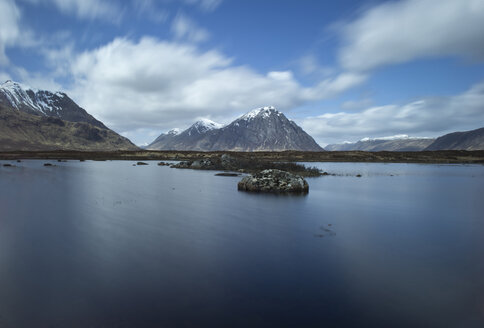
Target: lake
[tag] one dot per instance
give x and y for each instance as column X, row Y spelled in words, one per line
column 108, row 244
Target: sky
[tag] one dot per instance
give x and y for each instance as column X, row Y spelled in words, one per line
column 343, row 70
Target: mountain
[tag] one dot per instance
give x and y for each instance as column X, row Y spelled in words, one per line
column 262, row 129
column 33, row 119
column 468, row 140
column 395, row 143
column 44, row 103
column 185, row 140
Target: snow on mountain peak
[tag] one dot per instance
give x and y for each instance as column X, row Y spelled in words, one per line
column 395, row 137
column 262, row 111
column 174, row 131
column 12, row 86
column 207, row 124
column 204, row 125
column 19, row 95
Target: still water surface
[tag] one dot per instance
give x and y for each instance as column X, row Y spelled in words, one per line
column 106, row 244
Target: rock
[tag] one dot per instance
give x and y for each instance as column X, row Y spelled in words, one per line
column 7, row 165
column 163, row 164
column 202, row 164
column 227, row 174
column 48, row 164
column 141, row 163
column 274, row 181
column 228, row 161
column 182, row 165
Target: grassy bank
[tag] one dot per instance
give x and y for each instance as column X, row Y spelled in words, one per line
column 447, row 157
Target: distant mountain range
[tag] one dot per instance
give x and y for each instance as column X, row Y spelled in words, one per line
column 469, row 140
column 32, row 119
column 395, row 143
column 262, row 129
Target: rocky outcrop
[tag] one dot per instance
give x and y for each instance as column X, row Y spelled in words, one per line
column 274, row 181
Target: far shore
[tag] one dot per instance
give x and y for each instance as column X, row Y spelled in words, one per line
column 430, row 157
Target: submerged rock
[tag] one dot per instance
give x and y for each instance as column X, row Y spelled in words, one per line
column 227, row 174
column 274, row 181
column 141, row 163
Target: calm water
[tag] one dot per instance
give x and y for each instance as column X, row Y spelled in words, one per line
column 106, row 244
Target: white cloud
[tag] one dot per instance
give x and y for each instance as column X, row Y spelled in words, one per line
column 428, row 116
column 9, row 27
column 309, row 65
column 4, row 77
column 400, row 31
column 184, row 28
column 205, row 5
column 87, row 9
column 357, row 104
column 155, row 84
column 150, row 10
column 36, row 80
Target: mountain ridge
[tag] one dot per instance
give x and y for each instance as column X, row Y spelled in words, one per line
column 393, row 143
column 32, row 119
column 465, row 140
column 261, row 129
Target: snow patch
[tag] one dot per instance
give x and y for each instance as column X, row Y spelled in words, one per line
column 207, row 124
column 263, row 112
column 21, row 95
column 174, row 131
column 395, row 137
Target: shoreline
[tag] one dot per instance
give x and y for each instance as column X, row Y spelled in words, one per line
column 421, row 157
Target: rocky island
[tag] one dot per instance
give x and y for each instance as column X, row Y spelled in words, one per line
column 275, row 181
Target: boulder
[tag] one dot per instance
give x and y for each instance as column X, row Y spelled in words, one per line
column 273, row 180
column 228, row 161
column 202, row 164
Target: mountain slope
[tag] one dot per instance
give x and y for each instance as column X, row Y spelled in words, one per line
column 33, row 119
column 44, row 103
column 396, row 143
column 263, row 129
column 185, row 140
column 468, row 140
column 22, row 131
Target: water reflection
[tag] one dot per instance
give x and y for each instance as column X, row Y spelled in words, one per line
column 107, row 244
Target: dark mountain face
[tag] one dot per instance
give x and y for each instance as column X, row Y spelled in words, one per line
column 397, row 144
column 185, row 140
column 469, row 140
column 44, row 103
column 263, row 129
column 42, row 120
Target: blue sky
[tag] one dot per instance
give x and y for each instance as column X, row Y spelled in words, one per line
column 343, row 70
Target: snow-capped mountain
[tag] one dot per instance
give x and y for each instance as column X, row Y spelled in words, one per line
column 262, row 129
column 203, row 126
column 32, row 119
column 176, row 140
column 401, row 142
column 44, row 103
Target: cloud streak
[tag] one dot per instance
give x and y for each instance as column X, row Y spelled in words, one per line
column 400, row 31
column 9, row 27
column 431, row 116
